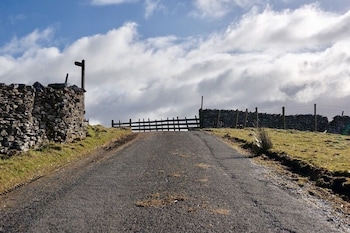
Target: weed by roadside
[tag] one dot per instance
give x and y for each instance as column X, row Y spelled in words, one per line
column 262, row 141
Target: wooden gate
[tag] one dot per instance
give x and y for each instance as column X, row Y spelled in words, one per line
column 174, row 124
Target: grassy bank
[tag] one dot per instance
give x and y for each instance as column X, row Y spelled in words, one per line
column 325, row 155
column 27, row 166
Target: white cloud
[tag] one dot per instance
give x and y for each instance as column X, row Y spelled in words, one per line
column 303, row 29
column 220, row 8
column 151, row 6
column 267, row 59
column 17, row 18
column 30, row 42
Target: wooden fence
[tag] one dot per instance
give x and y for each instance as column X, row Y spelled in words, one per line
column 174, row 124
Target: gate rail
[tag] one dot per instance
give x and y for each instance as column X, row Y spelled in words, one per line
column 174, row 124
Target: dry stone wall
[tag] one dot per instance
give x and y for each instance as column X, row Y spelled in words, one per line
column 33, row 115
column 213, row 118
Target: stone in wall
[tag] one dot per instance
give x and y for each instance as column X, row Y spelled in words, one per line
column 60, row 111
column 16, row 120
column 32, row 115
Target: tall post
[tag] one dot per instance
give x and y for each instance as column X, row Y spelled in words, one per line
column 257, row 117
column 112, row 123
column 201, row 115
column 218, row 122
column 83, row 75
column 66, row 81
column 284, row 117
column 246, row 118
column 82, row 65
column 237, row 115
column 315, row 114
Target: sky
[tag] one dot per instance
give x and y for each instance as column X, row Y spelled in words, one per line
column 157, row 58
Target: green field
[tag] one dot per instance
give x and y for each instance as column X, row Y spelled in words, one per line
column 322, row 150
column 29, row 165
column 322, row 157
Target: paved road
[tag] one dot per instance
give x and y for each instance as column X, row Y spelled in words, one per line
column 162, row 182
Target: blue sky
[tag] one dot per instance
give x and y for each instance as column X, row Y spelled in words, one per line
column 156, row 58
column 74, row 19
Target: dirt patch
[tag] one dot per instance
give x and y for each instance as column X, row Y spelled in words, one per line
column 204, row 180
column 158, row 200
column 120, row 142
column 175, row 175
column 203, row 165
column 221, row 211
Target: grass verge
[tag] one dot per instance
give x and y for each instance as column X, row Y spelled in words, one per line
column 325, row 158
column 27, row 166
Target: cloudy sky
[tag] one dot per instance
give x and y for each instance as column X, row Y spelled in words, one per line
column 156, row 58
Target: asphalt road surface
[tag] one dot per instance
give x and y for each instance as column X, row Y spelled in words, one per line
column 163, row 182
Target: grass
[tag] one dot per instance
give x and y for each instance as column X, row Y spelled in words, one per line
column 322, row 150
column 29, row 165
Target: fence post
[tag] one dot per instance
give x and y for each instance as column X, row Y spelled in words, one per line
column 156, row 125
column 201, row 122
column 139, row 125
column 217, row 125
column 173, row 123
column 167, row 123
column 315, row 113
column 246, row 117
column 257, row 117
column 112, row 123
column 149, row 125
column 178, row 123
column 284, row 117
column 237, row 115
column 186, row 123
column 130, row 124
